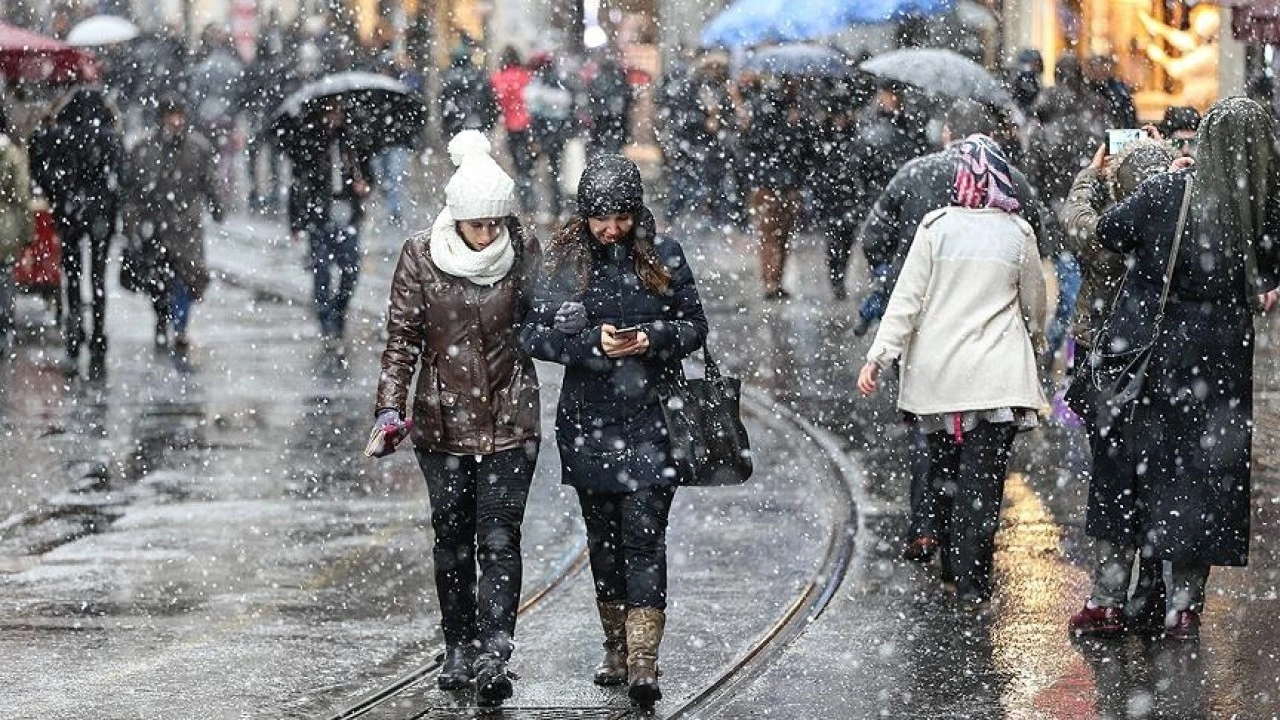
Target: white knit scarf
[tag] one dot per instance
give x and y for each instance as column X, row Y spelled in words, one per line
column 452, row 255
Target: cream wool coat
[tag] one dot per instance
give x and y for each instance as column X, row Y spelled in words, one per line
column 967, row 315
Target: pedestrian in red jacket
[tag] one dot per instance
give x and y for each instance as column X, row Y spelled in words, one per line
column 508, row 85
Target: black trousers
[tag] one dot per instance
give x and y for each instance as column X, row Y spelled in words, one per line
column 477, row 506
column 969, row 476
column 520, row 146
column 76, row 232
column 627, row 544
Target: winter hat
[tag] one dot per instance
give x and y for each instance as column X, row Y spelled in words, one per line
column 610, row 184
column 1138, row 161
column 479, row 188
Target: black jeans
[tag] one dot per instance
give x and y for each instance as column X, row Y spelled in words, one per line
column 477, row 505
column 333, row 248
column 970, row 475
column 520, row 146
column 627, row 543
column 95, row 231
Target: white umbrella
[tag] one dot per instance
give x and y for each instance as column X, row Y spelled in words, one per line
column 102, row 30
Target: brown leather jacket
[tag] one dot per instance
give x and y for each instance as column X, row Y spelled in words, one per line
column 477, row 392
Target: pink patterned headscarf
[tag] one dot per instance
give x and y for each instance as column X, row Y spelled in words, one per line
column 982, row 176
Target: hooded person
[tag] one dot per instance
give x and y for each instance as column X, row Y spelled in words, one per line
column 1110, row 509
column 172, row 177
column 965, row 321
column 1190, row 428
column 618, row 307
column 458, row 297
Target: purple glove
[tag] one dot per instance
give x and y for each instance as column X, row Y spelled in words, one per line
column 388, row 430
column 571, row 318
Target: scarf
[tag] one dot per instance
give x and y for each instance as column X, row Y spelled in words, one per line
column 982, row 176
column 454, row 257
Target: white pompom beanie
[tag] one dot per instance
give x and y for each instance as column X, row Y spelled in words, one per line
column 479, row 188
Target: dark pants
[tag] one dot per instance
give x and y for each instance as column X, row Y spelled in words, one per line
column 94, row 231
column 550, row 144
column 334, row 248
column 519, row 145
column 627, row 542
column 841, row 232
column 970, row 475
column 263, row 192
column 477, row 505
column 172, row 304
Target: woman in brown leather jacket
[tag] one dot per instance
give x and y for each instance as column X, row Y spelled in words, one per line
column 458, row 298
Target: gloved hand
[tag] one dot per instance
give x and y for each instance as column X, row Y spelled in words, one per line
column 393, row 429
column 571, row 318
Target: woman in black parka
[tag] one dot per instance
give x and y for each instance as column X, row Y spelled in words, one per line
column 606, row 270
column 1193, row 425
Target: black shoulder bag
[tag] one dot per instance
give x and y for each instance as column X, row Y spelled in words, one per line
column 1119, row 377
column 709, row 443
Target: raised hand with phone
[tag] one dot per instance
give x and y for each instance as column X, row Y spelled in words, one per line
column 623, row 342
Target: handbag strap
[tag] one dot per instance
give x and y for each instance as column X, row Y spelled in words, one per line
column 712, row 370
column 1173, row 251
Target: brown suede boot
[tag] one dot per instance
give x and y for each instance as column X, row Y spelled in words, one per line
column 644, row 634
column 612, row 670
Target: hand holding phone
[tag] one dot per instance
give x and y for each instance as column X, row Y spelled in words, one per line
column 1118, row 138
column 622, row 342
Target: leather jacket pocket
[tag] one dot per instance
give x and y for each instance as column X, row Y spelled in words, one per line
column 427, row 416
column 518, row 405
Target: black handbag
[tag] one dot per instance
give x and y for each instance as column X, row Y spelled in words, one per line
column 140, row 270
column 709, row 443
column 1120, row 376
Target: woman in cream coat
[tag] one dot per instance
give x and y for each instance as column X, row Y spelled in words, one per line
column 965, row 320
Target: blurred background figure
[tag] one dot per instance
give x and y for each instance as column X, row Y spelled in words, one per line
column 609, row 101
column 15, row 222
column 172, row 178
column 77, row 156
column 1178, row 127
column 215, row 93
column 509, row 84
column 467, row 100
column 551, row 120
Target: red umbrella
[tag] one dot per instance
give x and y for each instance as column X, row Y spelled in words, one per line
column 25, row 55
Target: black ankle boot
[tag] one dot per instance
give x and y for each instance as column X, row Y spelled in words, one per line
column 455, row 672
column 493, row 683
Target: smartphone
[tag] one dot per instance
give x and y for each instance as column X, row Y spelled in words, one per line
column 1117, row 139
column 626, row 333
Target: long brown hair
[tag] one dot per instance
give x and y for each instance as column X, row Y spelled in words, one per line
column 571, row 251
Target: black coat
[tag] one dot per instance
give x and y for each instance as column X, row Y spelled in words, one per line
column 77, row 159
column 1190, row 435
column 609, row 425
column 924, row 185
column 312, row 192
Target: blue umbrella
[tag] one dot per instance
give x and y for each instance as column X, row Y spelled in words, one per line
column 749, row 22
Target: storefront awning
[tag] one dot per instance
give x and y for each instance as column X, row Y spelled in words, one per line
column 1255, row 21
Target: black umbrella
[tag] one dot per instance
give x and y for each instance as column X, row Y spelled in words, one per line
column 381, row 111
column 938, row 72
column 799, row 59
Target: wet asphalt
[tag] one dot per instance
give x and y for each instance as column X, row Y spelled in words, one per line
column 201, row 538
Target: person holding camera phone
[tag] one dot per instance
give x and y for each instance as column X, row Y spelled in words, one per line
column 458, row 296
column 1113, row 486
column 617, row 306
column 1190, row 429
